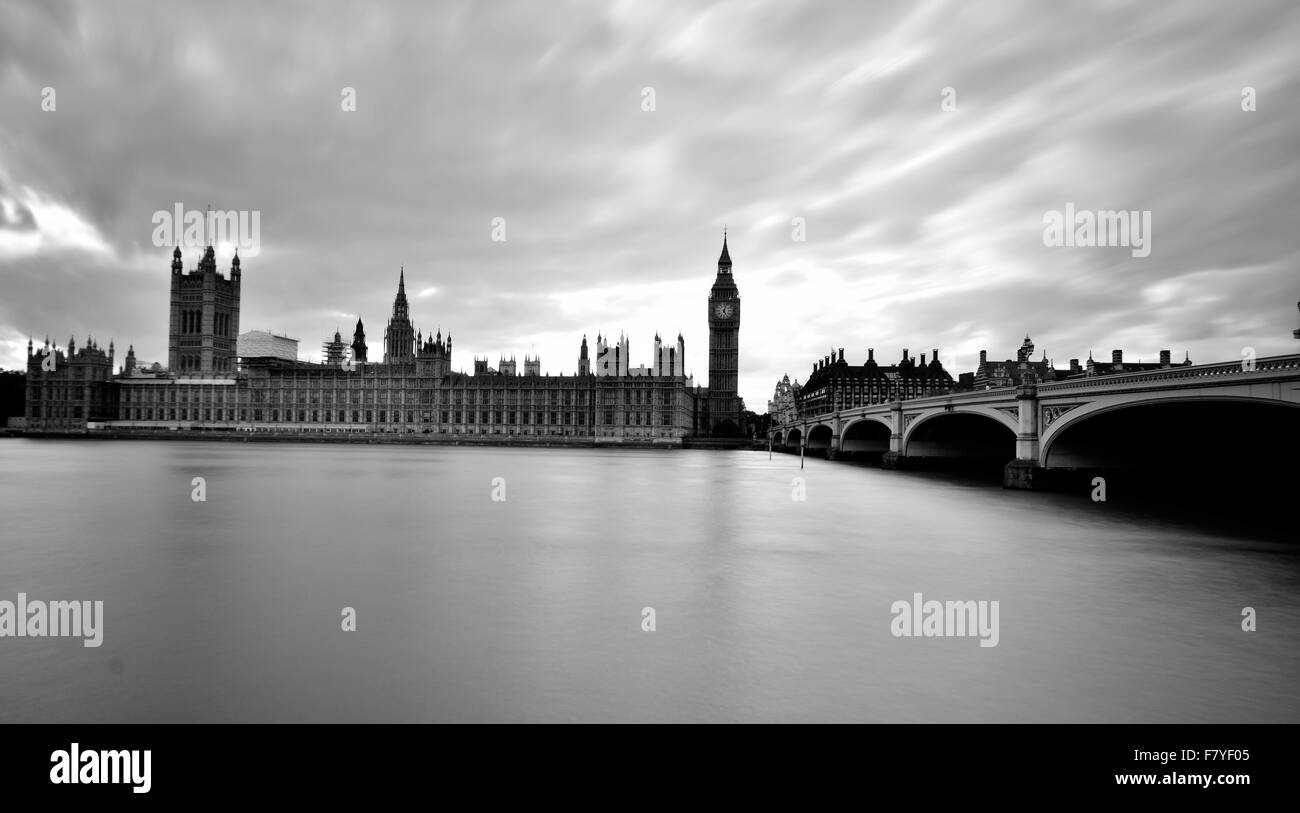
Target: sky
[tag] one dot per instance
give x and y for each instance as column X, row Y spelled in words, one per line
column 884, row 172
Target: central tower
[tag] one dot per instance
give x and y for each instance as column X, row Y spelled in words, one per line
column 399, row 337
column 724, row 349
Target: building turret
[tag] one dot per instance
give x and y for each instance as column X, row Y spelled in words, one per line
column 334, row 352
column 1026, row 349
column 208, row 265
column 433, row 356
column 359, row 343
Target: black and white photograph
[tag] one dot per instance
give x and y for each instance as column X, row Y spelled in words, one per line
column 904, row 364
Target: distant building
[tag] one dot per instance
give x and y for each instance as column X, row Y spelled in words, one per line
column 1009, row 373
column 835, row 384
column 13, row 394
column 1118, row 365
column 413, row 390
column 68, row 389
column 782, row 407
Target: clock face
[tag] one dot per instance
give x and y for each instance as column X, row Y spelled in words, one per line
column 724, row 310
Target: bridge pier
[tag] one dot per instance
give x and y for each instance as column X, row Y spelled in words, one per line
column 897, row 462
column 1026, row 475
column 896, row 429
column 893, row 459
column 836, row 430
column 1024, row 472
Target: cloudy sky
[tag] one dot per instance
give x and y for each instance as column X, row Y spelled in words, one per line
column 923, row 226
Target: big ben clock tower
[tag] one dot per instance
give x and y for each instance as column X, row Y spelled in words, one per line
column 724, row 349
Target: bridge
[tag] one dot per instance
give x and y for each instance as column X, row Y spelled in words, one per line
column 1173, row 417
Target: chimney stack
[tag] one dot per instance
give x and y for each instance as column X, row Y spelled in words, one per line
column 922, row 359
column 871, row 354
column 904, row 354
column 841, row 354
column 984, row 356
column 936, row 354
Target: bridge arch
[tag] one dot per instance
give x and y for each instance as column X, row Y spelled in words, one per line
column 866, row 437
column 973, row 433
column 1073, row 415
column 1210, row 458
column 863, row 424
column 794, row 438
column 820, row 436
column 1181, row 427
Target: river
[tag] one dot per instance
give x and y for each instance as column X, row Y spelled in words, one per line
column 521, row 598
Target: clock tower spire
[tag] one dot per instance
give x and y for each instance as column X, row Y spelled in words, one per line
column 724, row 349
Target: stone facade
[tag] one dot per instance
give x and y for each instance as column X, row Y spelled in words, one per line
column 412, row 392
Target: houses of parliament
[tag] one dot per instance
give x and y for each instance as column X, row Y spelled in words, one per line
column 220, row 380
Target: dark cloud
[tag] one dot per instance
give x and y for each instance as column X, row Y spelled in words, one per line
column 924, row 227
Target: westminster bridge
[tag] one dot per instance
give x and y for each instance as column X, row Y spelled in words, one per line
column 1177, row 416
